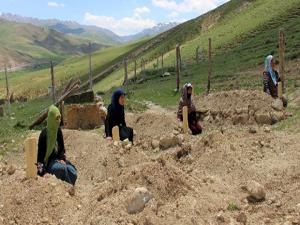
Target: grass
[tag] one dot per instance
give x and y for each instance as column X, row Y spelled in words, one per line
column 14, row 127
column 74, row 67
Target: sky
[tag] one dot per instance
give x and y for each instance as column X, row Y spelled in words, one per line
column 124, row 17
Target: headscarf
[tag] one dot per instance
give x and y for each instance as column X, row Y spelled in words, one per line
column 184, row 95
column 268, row 68
column 115, row 101
column 186, row 100
column 52, row 129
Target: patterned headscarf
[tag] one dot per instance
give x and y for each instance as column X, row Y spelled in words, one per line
column 268, row 68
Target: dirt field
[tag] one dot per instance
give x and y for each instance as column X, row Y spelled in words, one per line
column 197, row 180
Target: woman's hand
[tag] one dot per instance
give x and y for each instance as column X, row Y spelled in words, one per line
column 61, row 161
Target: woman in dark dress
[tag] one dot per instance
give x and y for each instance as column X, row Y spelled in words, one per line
column 271, row 79
column 116, row 117
column 51, row 150
column 187, row 100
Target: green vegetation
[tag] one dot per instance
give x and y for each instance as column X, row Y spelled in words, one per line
column 14, row 127
column 35, row 82
column 233, row 206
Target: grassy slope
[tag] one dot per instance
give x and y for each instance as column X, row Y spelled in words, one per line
column 25, row 43
column 74, row 67
column 238, row 45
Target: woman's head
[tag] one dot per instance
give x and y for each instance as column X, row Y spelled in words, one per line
column 54, row 117
column 118, row 98
column 270, row 63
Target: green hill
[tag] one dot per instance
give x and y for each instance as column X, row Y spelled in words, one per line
column 24, row 43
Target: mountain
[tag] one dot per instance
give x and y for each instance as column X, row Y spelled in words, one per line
column 22, row 43
column 90, row 33
column 150, row 32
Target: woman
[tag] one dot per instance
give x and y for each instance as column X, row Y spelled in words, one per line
column 271, row 79
column 186, row 100
column 51, row 150
column 116, row 117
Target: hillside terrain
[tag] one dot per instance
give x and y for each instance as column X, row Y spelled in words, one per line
column 27, row 44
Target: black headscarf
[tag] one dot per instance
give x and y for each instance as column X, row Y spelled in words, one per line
column 116, row 108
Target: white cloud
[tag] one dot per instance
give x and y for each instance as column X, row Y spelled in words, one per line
column 187, row 6
column 123, row 26
column 55, row 4
column 141, row 10
column 173, row 14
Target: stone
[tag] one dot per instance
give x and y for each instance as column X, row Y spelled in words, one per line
column 263, row 118
column 183, row 151
column 267, row 129
column 277, row 104
column 220, row 218
column 136, row 203
column 11, row 170
column 276, row 117
column 155, row 144
column 128, row 147
column 252, row 130
column 168, row 142
column 125, row 142
column 242, row 218
column 240, row 119
column 256, row 192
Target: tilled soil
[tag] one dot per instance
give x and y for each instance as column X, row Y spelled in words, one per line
column 204, row 184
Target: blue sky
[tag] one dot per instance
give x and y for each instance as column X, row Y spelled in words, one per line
column 121, row 16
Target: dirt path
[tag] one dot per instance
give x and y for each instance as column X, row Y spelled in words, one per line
column 193, row 188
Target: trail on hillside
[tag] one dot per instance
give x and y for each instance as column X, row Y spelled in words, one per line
column 195, row 180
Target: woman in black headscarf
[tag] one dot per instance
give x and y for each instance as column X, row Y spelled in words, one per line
column 116, row 117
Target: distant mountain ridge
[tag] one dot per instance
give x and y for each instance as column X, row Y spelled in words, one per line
column 91, row 33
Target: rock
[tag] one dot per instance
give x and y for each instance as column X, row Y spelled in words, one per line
column 263, row 118
column 242, row 218
column 277, row 104
column 183, row 151
column 128, row 147
column 1, row 111
column 155, row 144
column 267, row 129
column 168, row 142
column 252, row 130
column 276, row 117
column 136, row 203
column 220, row 218
column 125, row 142
column 256, row 192
column 11, row 170
column 240, row 119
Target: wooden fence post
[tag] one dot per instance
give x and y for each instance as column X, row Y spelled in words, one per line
column 281, row 59
column 178, row 67
column 185, row 119
column 116, row 133
column 53, row 83
column 90, row 66
column 209, row 66
column 30, row 146
column 126, row 72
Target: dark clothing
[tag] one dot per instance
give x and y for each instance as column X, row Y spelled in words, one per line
column 42, row 147
column 116, row 117
column 269, row 86
column 194, row 124
column 185, row 100
column 66, row 172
